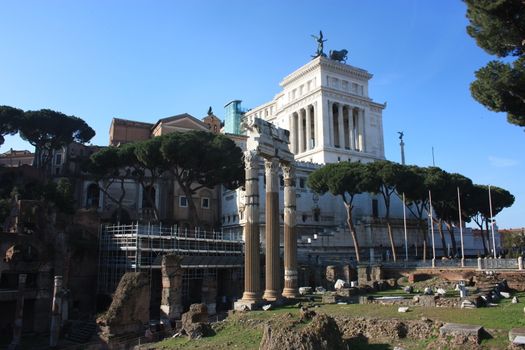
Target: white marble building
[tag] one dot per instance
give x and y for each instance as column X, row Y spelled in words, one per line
column 326, row 107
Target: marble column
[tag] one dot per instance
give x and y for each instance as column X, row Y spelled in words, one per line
column 56, row 313
column 340, row 125
column 300, row 149
column 308, row 127
column 290, row 234
column 272, row 272
column 361, row 130
column 252, row 290
column 331, row 123
column 293, row 133
column 351, row 128
column 316, row 125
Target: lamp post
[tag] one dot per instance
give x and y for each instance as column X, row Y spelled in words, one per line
column 492, row 225
column 461, row 231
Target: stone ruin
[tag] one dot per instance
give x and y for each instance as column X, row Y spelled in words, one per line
column 171, row 299
column 195, row 322
column 129, row 310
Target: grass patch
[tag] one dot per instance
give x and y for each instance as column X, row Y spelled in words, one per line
column 229, row 334
column 244, row 331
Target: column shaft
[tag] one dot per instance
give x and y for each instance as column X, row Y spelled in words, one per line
column 362, row 130
column 308, row 128
column 351, row 128
column 331, row 123
column 300, row 118
column 252, row 290
column 340, row 126
column 316, row 126
column 293, row 134
column 272, row 291
column 290, row 234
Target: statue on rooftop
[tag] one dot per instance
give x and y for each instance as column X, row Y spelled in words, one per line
column 210, row 112
column 320, row 44
column 339, row 55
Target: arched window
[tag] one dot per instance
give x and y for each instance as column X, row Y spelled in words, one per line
column 92, row 196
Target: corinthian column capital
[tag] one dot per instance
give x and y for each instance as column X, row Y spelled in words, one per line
column 251, row 160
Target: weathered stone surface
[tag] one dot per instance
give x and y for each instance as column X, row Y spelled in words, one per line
column 305, row 290
column 373, row 328
column 129, row 309
column 195, row 321
column 462, row 332
column 514, row 332
column 171, row 299
column 306, row 314
column 322, row 333
column 339, row 284
column 329, row 298
column 331, row 274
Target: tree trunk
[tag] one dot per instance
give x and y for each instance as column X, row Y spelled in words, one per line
column 351, row 227
column 149, row 197
column 391, row 238
column 485, row 249
column 193, row 216
column 442, row 236
column 489, row 252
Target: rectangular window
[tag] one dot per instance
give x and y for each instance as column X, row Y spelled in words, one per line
column 205, row 203
column 58, row 159
column 301, row 182
column 183, row 202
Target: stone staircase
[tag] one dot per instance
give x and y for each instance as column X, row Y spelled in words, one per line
column 81, row 332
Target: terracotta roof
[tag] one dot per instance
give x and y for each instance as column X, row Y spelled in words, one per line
column 120, row 121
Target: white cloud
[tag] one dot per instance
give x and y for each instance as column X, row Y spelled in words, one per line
column 499, row 162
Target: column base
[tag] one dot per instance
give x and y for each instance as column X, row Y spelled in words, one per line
column 272, row 295
column 290, row 293
column 251, row 297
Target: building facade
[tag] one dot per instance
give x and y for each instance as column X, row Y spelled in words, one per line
column 331, row 117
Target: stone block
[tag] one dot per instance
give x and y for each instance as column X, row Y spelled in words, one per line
column 427, row 300
column 329, row 298
column 243, row 305
column 472, row 333
column 514, row 332
column 305, row 290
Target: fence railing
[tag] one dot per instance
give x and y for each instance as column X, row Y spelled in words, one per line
column 479, row 264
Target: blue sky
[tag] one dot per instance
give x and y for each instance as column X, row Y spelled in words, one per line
column 146, row 60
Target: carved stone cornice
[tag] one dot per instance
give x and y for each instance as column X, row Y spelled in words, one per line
column 331, row 65
column 306, row 100
column 340, row 96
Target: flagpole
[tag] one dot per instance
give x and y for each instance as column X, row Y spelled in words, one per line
column 492, row 225
column 432, row 230
column 461, row 231
column 405, row 226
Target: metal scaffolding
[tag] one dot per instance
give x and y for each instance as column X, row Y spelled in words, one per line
column 139, row 247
